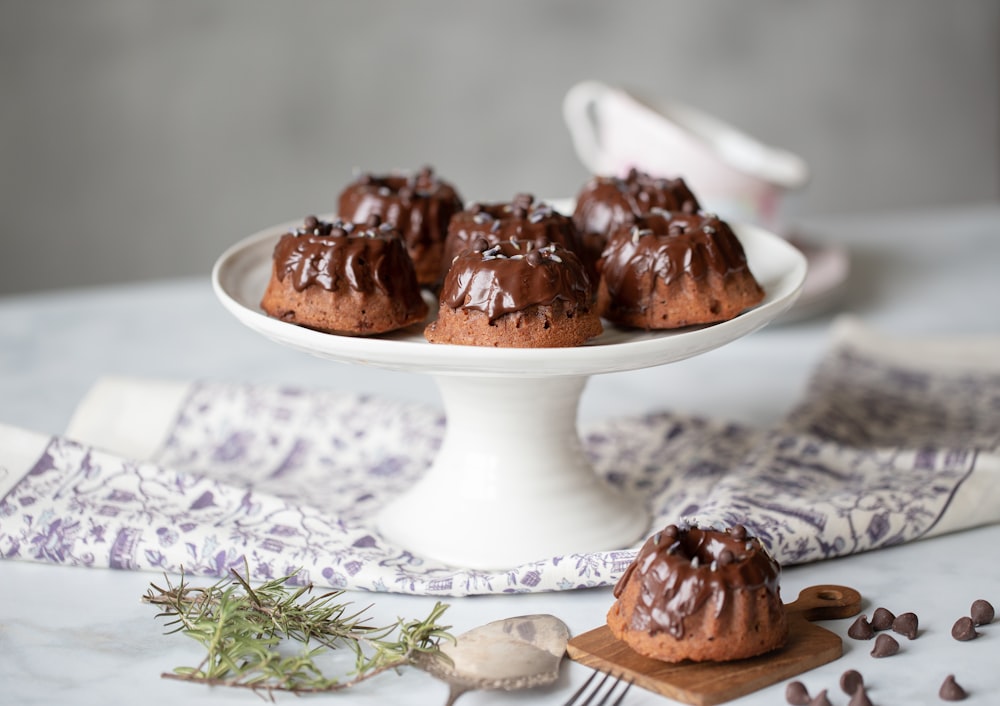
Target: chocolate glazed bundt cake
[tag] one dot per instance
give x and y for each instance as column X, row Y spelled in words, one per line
column 515, row 295
column 344, row 278
column 666, row 270
column 700, row 594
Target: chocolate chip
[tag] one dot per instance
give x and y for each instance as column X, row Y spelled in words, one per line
column 861, row 629
column 860, row 698
column 534, row 258
column 964, row 630
column 951, row 690
column 982, row 612
column 374, row 220
column 850, row 681
column 885, row 646
column 882, row 619
column 726, row 557
column 671, row 531
column 820, row 700
column 480, row 244
column 311, row 223
column 739, row 533
column 796, row 694
column 906, row 624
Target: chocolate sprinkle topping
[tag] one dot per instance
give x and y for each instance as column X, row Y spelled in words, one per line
column 796, row 694
column 951, row 690
column 861, row 629
column 906, row 624
column 964, row 630
column 982, row 612
column 850, row 681
column 885, row 646
column 882, row 619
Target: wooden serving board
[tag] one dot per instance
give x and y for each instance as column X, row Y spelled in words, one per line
column 707, row 683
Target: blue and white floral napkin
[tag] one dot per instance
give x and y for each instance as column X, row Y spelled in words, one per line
column 894, row 441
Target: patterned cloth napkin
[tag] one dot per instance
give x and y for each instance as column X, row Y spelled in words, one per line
column 894, row 441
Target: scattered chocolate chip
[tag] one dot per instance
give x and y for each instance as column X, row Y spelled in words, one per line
column 739, row 533
column 885, row 646
column 850, row 681
column 480, row 244
column 670, row 532
column 982, row 612
column 882, row 619
column 906, row 624
column 311, row 223
column 534, row 258
column 964, row 629
column 820, row 700
column 861, row 629
column 726, row 557
column 796, row 694
column 951, row 690
column 860, row 698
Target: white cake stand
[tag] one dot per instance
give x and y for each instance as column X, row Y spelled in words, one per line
column 511, row 483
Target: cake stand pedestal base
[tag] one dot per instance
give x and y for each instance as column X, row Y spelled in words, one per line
column 511, row 483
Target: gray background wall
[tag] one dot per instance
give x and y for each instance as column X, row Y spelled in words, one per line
column 138, row 139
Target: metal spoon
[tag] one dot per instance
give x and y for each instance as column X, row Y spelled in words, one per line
column 515, row 653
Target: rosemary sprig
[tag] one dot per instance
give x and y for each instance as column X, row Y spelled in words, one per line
column 245, row 632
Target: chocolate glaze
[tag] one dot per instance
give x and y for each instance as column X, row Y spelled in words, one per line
column 662, row 246
column 514, row 275
column 683, row 570
column 604, row 203
column 420, row 205
column 331, row 254
column 522, row 219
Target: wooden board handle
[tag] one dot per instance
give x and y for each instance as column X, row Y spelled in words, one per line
column 826, row 602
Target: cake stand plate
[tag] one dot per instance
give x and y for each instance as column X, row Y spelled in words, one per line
column 708, row 683
column 511, row 483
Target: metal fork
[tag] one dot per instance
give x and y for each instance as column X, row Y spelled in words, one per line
column 598, row 690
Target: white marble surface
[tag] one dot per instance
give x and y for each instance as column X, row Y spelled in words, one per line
column 78, row 636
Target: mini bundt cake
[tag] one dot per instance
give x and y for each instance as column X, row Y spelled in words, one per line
column 700, row 594
column 522, row 219
column 419, row 205
column 344, row 278
column 515, row 295
column 667, row 270
column 606, row 202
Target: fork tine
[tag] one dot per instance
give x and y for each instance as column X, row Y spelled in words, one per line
column 596, row 692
